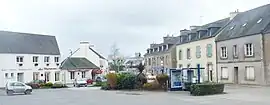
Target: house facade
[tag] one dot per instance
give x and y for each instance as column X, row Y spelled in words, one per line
column 161, row 55
column 197, row 46
column 26, row 57
column 242, row 48
column 84, row 63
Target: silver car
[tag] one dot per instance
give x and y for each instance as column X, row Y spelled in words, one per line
column 17, row 87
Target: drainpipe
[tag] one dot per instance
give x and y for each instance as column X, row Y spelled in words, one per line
column 263, row 60
column 216, row 62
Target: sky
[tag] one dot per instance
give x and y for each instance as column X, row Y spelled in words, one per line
column 130, row 24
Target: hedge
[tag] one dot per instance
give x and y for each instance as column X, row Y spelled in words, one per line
column 206, row 89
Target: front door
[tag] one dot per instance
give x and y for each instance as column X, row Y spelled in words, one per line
column 236, row 75
column 47, row 76
column 210, row 72
column 20, row 77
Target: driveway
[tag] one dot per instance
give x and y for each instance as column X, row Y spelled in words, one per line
column 94, row 96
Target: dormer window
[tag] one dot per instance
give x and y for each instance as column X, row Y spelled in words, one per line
column 232, row 28
column 244, row 24
column 189, row 37
column 259, row 21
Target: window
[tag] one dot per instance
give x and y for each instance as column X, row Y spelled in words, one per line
column 259, row 21
column 244, row 24
column 46, row 59
column 72, row 75
column 189, row 37
column 209, row 50
column 12, row 75
column 19, row 59
column 198, row 51
column 188, row 54
column 180, row 55
column 188, row 65
column 149, row 61
column 56, row 59
column 250, row 73
column 6, row 75
column 223, row 52
column 35, row 75
column 224, row 73
column 47, row 76
column 57, row 76
column 83, row 74
column 35, row 58
column 232, row 28
column 248, row 49
column 235, row 51
column 18, row 84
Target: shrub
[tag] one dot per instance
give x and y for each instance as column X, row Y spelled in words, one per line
column 187, row 86
column 58, row 85
column 100, row 83
column 112, row 80
column 206, row 89
column 162, row 80
column 105, row 87
column 126, row 81
column 33, row 85
column 47, row 85
column 152, row 86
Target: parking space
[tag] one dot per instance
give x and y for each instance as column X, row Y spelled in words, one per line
column 94, row 96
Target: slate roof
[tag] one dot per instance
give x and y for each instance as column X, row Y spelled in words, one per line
column 72, row 63
column 26, row 43
column 100, row 56
column 219, row 25
column 237, row 29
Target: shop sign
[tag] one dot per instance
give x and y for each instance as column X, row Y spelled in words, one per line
column 50, row 68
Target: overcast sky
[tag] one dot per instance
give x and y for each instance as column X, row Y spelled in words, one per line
column 132, row 24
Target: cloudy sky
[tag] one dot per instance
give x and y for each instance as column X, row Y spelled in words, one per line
column 131, row 24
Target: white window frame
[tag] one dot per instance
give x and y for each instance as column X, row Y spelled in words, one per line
column 6, row 75
column 19, row 59
column 250, row 73
column 235, row 51
column 249, row 49
column 188, row 53
column 46, row 59
column 180, row 54
column 35, row 58
column 57, row 76
column 224, row 73
column 198, row 51
column 72, row 75
column 83, row 74
column 56, row 59
column 223, row 52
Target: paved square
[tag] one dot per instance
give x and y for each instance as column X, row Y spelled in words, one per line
column 94, row 96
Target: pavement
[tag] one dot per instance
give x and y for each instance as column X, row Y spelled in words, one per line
column 235, row 95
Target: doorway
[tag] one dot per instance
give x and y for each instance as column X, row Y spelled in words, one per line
column 47, row 76
column 20, row 77
column 210, row 72
column 236, row 75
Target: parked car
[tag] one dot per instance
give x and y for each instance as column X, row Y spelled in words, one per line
column 17, row 87
column 89, row 81
column 80, row 82
column 101, row 79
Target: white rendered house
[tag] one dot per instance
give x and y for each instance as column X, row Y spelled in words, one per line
column 26, row 57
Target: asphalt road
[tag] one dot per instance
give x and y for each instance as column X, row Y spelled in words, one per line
column 90, row 96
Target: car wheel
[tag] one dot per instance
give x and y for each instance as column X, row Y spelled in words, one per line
column 10, row 92
column 85, row 85
column 27, row 92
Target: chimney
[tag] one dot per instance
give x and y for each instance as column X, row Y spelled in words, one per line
column 184, row 32
column 233, row 14
column 84, row 47
column 194, row 27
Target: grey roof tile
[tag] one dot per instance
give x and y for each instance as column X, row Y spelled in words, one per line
column 237, row 29
column 26, row 43
column 71, row 63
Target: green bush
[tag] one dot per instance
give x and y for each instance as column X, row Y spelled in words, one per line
column 105, row 87
column 152, row 86
column 126, row 81
column 100, row 84
column 46, row 85
column 58, row 85
column 187, row 86
column 206, row 89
